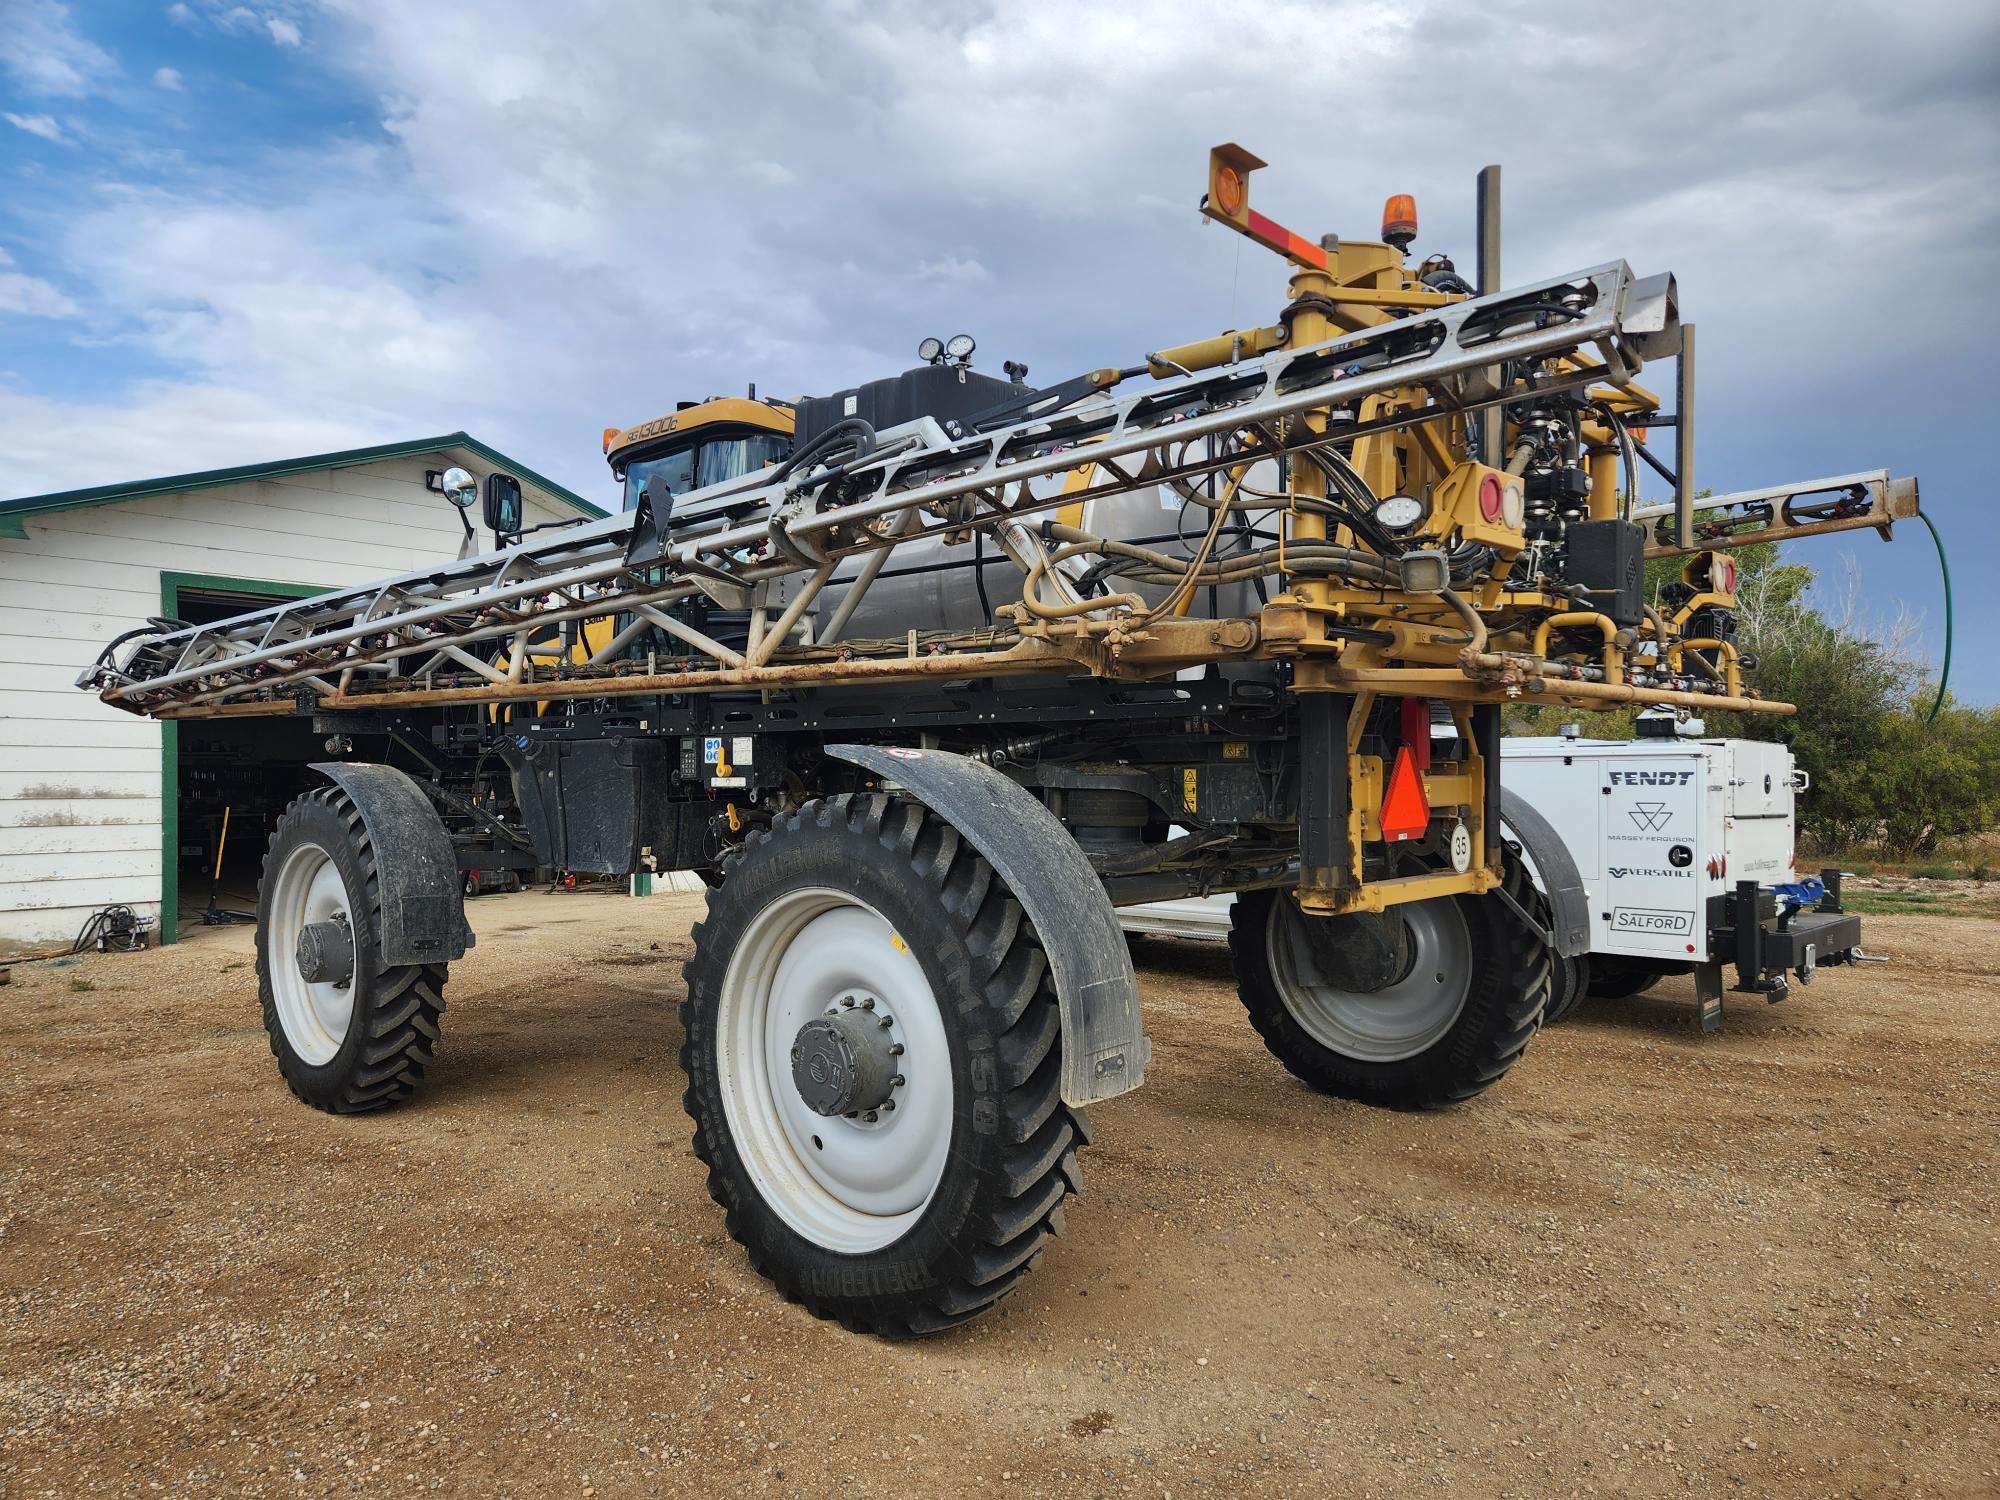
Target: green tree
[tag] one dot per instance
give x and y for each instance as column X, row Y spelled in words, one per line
column 1880, row 772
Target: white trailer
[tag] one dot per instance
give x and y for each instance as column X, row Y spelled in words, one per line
column 1684, row 852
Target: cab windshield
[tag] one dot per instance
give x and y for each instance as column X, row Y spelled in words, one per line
column 696, row 465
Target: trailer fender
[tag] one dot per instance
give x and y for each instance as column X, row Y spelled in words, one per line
column 1553, row 870
column 1104, row 1047
column 423, row 898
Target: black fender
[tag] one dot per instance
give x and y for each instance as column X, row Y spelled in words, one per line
column 1104, row 1047
column 423, row 897
column 1553, row 871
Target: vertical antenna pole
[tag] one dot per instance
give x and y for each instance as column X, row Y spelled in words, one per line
column 1492, row 427
column 1684, row 440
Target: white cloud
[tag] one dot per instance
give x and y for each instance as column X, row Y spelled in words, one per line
column 568, row 235
column 167, row 78
column 30, row 295
column 44, row 126
column 180, row 15
column 284, row 33
column 162, row 428
column 43, row 52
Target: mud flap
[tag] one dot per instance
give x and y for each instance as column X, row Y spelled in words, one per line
column 1104, row 1046
column 1708, row 995
column 1554, row 873
column 423, row 899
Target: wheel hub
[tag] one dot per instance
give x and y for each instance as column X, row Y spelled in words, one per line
column 845, row 1062
column 325, row 953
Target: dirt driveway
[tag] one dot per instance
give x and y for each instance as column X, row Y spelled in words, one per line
column 1649, row 1262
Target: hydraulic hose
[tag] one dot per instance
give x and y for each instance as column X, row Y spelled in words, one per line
column 855, row 429
column 1944, row 567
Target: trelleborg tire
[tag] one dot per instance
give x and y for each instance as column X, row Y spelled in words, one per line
column 873, row 1054
column 351, row 1042
column 1449, row 1025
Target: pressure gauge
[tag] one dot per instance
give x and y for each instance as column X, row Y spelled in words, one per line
column 929, row 350
column 960, row 347
column 1399, row 512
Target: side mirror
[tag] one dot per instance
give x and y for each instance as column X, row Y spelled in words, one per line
column 503, row 504
column 459, row 487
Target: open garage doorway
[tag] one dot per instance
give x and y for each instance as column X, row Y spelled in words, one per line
column 223, row 774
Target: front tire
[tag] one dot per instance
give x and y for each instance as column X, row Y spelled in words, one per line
column 1458, row 1013
column 927, row 1200
column 350, row 1034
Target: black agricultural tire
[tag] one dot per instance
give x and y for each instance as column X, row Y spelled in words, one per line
column 1014, row 1142
column 1569, row 982
column 1510, row 987
column 1622, row 979
column 393, row 1035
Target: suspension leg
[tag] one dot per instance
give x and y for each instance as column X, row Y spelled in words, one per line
column 1326, row 845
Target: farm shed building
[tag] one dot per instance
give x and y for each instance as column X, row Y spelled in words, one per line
column 101, row 807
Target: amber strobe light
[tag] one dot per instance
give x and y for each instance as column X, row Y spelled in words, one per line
column 609, row 434
column 1399, row 220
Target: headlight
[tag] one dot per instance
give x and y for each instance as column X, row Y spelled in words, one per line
column 1399, row 512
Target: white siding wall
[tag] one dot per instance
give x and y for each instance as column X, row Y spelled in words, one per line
column 80, row 792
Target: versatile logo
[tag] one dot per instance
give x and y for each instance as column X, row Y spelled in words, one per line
column 1639, row 919
column 1650, row 778
column 1651, row 816
column 1619, row 872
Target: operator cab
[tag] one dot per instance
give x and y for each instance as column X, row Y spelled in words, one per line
column 700, row 444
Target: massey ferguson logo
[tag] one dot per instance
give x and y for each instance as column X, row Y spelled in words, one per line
column 1651, row 816
column 1650, row 778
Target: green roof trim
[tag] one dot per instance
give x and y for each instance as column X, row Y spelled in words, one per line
column 14, row 512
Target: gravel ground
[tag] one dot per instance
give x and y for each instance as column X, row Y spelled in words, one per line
column 1651, row 1261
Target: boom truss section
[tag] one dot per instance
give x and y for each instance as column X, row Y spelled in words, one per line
column 772, row 540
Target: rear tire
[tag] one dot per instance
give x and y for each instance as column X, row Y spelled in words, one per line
column 1460, row 1016
column 1569, row 982
column 901, row 1223
column 1619, row 979
column 344, row 1048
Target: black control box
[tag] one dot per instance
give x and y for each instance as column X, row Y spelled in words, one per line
column 1608, row 560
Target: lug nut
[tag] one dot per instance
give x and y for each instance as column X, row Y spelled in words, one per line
column 869, row 1117
column 869, row 1003
column 896, row 1082
column 895, row 1049
column 888, row 1104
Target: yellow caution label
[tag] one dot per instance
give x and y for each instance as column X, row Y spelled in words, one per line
column 1189, row 786
column 897, row 939
column 1235, row 749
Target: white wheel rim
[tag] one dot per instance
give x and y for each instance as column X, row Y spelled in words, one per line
column 315, row 1017
column 848, row 1185
column 1386, row 1025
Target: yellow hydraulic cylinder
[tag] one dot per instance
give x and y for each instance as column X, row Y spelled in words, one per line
column 1310, row 325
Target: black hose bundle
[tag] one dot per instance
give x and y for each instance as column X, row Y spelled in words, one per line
column 114, row 928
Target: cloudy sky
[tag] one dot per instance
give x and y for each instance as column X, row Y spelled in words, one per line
column 231, row 231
